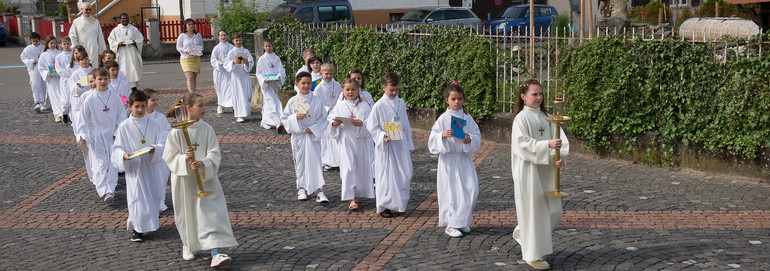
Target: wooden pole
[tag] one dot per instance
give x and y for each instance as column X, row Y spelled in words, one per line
column 590, row 18
column 716, row 9
column 660, row 16
column 582, row 19
column 531, row 35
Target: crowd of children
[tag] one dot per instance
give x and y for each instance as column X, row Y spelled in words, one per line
column 332, row 125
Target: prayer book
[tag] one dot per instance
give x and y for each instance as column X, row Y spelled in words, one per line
column 84, row 81
column 139, row 152
column 393, row 129
column 315, row 84
column 457, row 127
column 345, row 120
column 52, row 70
column 196, row 50
column 272, row 77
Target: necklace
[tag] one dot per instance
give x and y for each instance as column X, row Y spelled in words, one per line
column 142, row 141
column 541, row 124
column 106, row 109
column 395, row 109
column 270, row 58
column 352, row 116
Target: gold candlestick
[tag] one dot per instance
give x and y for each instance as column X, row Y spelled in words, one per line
column 182, row 123
column 557, row 119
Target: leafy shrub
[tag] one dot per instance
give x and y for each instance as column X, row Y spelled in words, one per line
column 671, row 89
column 240, row 16
column 708, row 9
column 426, row 64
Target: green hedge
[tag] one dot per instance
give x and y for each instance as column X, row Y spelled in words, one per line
column 444, row 56
column 677, row 91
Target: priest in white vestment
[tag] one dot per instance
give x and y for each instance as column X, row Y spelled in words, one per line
column 126, row 41
column 87, row 31
column 532, row 165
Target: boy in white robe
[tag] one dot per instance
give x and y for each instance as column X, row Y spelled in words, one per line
column 63, row 61
column 78, row 125
column 353, row 141
column 457, row 184
column 239, row 63
column 29, row 57
column 162, row 169
column 137, row 133
column 329, row 92
column 221, row 75
column 102, row 112
column 305, row 119
column 47, row 61
column 306, row 54
column 117, row 85
column 393, row 161
column 203, row 223
column 532, row 164
column 77, row 92
column 268, row 64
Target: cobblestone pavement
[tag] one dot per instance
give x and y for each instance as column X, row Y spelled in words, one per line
column 619, row 216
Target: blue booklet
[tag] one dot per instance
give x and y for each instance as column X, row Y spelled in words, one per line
column 457, row 127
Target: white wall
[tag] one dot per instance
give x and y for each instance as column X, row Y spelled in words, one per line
column 394, row 4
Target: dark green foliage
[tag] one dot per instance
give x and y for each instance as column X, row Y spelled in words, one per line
column 678, row 91
column 426, row 64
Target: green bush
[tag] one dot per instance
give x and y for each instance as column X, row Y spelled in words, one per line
column 674, row 90
column 240, row 16
column 3, row 6
column 708, row 9
column 444, row 56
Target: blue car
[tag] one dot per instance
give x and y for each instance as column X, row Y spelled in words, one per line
column 2, row 35
column 515, row 20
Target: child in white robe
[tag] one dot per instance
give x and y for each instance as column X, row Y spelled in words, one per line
column 136, row 133
column 353, row 139
column 102, row 112
column 532, row 164
column 109, row 55
column 314, row 68
column 46, row 62
column 117, row 85
column 162, row 168
column 305, row 119
column 268, row 64
column 203, row 223
column 329, row 92
column 78, row 125
column 78, row 89
column 457, row 185
column 358, row 75
column 306, row 54
column 393, row 161
column 63, row 61
column 221, row 75
column 29, row 57
column 239, row 63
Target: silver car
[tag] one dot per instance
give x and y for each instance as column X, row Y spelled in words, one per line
column 443, row 16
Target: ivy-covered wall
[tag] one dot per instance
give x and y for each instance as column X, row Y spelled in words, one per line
column 426, row 64
column 676, row 91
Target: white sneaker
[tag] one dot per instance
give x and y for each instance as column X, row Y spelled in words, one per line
column 453, row 232
column 266, row 126
column 465, row 229
column 301, row 194
column 220, row 110
column 539, row 264
column 57, row 119
column 38, row 108
column 220, row 260
column 239, row 120
column 186, row 254
column 321, row 197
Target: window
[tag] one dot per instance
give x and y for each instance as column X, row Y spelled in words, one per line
column 326, row 14
column 437, row 15
column 544, row 12
column 395, row 16
column 458, row 14
column 305, row 15
column 342, row 13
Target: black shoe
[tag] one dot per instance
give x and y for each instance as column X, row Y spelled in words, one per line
column 136, row 237
column 386, row 214
column 65, row 119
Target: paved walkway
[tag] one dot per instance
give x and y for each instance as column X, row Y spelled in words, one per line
column 619, row 216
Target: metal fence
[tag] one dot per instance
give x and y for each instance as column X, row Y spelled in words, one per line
column 520, row 56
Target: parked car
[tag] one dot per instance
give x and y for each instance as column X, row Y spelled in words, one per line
column 515, row 20
column 318, row 11
column 443, row 16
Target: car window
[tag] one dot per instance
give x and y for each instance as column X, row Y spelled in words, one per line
column 457, row 14
column 305, row 15
column 280, row 12
column 326, row 14
column 514, row 12
column 544, row 12
column 342, row 13
column 437, row 15
column 415, row 15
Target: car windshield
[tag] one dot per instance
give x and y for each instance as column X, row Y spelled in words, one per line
column 416, row 15
column 280, row 12
column 514, row 12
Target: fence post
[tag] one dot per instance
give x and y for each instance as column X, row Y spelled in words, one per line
column 259, row 50
column 55, row 26
column 153, row 34
column 716, row 9
column 24, row 29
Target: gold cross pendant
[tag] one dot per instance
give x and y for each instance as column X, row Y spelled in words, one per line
column 541, row 130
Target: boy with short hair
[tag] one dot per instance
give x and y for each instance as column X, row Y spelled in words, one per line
column 221, row 75
column 329, row 91
column 29, row 56
column 305, row 119
column 268, row 64
column 306, row 54
column 102, row 112
column 134, row 135
column 117, row 85
column 239, row 63
column 392, row 156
